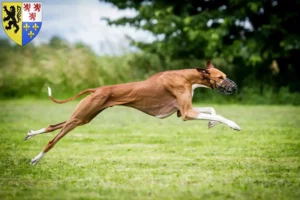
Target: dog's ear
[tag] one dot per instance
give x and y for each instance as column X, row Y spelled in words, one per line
column 209, row 65
column 204, row 72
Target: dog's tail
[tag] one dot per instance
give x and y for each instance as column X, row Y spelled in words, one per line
column 71, row 98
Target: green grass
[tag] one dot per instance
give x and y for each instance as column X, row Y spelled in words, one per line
column 125, row 154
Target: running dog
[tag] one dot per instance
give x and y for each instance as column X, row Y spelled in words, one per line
column 160, row 96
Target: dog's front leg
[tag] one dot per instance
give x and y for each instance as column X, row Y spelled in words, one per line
column 220, row 119
column 194, row 114
column 208, row 110
column 189, row 113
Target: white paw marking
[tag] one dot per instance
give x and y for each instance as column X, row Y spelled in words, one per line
column 32, row 133
column 233, row 125
column 212, row 124
column 36, row 159
column 28, row 136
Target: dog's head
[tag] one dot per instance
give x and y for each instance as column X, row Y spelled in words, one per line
column 217, row 80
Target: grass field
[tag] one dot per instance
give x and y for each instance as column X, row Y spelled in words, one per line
column 125, row 154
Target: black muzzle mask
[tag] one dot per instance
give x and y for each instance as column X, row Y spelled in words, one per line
column 227, row 87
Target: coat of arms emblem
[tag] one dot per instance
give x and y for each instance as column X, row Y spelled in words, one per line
column 22, row 21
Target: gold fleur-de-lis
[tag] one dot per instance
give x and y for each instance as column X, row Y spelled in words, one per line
column 31, row 34
column 26, row 27
column 35, row 26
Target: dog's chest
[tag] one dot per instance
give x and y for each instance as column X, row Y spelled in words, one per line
column 194, row 86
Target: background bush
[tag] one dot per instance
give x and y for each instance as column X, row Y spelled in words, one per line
column 68, row 69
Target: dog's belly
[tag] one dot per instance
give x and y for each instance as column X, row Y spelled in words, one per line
column 165, row 115
column 158, row 109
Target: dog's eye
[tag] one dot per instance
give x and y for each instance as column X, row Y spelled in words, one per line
column 220, row 77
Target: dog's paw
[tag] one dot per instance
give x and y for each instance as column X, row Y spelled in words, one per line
column 234, row 126
column 34, row 161
column 29, row 135
column 212, row 124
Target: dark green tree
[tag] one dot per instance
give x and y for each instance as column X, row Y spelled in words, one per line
column 260, row 38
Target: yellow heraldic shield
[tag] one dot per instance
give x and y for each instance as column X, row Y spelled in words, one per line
column 12, row 20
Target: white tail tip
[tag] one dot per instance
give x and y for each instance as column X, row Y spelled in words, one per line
column 49, row 92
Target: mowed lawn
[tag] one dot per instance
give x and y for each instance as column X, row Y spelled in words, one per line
column 125, row 154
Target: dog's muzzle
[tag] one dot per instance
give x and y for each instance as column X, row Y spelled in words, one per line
column 227, row 87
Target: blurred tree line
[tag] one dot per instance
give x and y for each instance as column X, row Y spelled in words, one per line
column 257, row 40
column 67, row 69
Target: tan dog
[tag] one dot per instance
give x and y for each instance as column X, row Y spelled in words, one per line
column 161, row 95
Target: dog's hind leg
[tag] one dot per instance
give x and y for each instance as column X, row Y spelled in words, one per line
column 68, row 126
column 50, row 128
column 85, row 111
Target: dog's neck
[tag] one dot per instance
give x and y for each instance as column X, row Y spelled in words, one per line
column 194, row 77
